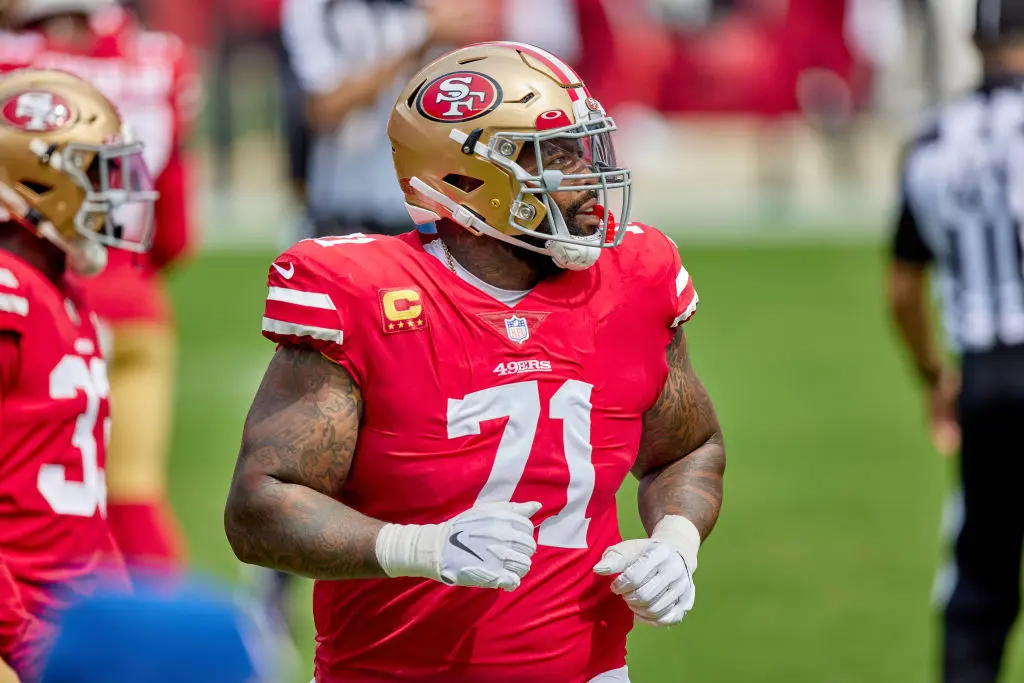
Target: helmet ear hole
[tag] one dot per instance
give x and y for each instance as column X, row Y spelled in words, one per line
column 463, row 183
column 38, row 189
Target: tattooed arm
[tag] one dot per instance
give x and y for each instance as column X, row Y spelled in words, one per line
column 680, row 466
column 297, row 448
column 682, row 456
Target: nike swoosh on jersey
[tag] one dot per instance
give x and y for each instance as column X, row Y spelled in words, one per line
column 286, row 274
column 454, row 540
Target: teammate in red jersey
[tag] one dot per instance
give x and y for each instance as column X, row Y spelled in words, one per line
column 64, row 168
column 454, row 411
column 150, row 78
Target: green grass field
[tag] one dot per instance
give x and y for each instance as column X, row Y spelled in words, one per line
column 820, row 569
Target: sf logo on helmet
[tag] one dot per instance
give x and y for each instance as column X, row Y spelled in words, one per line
column 40, row 112
column 459, row 96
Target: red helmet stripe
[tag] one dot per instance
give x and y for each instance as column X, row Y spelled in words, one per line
column 561, row 69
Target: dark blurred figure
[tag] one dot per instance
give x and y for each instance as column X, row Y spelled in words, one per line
column 295, row 127
column 151, row 79
column 962, row 209
column 351, row 58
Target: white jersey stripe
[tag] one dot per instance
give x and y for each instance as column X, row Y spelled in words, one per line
column 12, row 303
column 292, row 330
column 307, row 299
column 688, row 313
column 681, row 280
column 7, row 279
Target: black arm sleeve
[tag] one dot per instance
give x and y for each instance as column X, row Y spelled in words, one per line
column 907, row 245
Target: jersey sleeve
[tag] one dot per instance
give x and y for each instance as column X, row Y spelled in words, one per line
column 908, row 245
column 172, row 213
column 305, row 307
column 684, row 298
column 670, row 281
column 14, row 303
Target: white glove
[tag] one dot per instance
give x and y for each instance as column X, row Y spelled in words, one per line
column 488, row 546
column 656, row 573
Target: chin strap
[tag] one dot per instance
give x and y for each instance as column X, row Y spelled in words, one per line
column 468, row 219
column 564, row 254
column 85, row 257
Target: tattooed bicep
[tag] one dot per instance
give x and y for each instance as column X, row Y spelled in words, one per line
column 682, row 418
column 303, row 423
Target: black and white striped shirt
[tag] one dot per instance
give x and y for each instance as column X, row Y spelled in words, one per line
column 963, row 211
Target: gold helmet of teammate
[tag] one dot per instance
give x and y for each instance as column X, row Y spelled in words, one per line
column 485, row 134
column 66, row 164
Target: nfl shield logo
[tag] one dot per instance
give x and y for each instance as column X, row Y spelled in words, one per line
column 517, row 329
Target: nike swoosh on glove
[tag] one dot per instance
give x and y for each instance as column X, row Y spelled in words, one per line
column 487, row 546
column 654, row 578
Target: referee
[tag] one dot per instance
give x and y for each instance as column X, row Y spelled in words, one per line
column 963, row 215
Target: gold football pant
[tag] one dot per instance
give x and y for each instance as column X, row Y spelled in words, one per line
column 6, row 674
column 141, row 366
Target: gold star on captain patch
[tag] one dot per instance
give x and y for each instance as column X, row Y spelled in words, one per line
column 391, row 326
column 420, row 323
column 401, row 325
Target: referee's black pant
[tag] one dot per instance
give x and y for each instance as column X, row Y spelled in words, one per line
column 985, row 597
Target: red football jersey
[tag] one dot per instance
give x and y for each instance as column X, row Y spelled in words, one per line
column 152, row 81
column 469, row 401
column 54, row 424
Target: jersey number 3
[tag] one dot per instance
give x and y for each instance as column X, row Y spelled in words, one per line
column 79, row 498
column 520, row 403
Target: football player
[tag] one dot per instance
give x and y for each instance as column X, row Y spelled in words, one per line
column 453, row 411
column 149, row 77
column 65, row 166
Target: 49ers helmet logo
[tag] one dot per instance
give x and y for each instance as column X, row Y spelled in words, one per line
column 459, row 96
column 36, row 111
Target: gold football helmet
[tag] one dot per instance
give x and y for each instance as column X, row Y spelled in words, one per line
column 485, row 134
column 66, row 164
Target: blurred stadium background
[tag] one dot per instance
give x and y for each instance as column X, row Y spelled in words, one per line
column 764, row 136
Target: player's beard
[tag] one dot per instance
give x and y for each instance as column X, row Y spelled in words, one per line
column 542, row 263
column 571, row 213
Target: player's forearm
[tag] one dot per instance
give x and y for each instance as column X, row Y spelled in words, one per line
column 327, row 111
column 910, row 314
column 295, row 529
column 297, row 446
column 690, row 487
column 915, row 328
